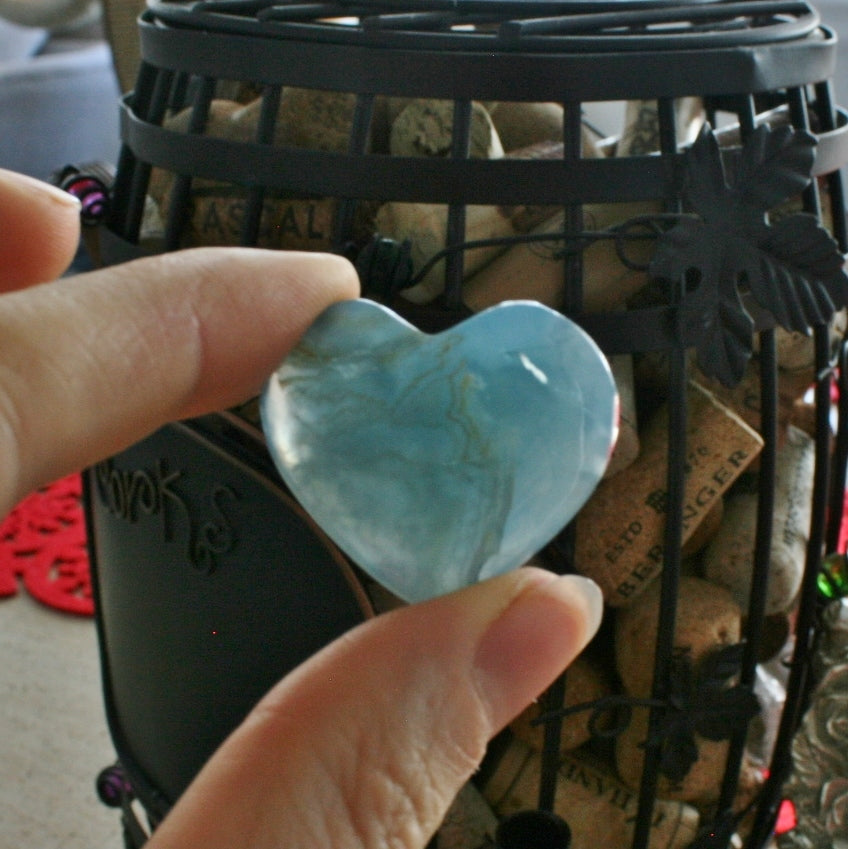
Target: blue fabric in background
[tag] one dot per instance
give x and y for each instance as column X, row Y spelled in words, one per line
column 17, row 43
column 58, row 101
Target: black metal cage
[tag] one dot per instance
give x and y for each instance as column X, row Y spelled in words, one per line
column 214, row 151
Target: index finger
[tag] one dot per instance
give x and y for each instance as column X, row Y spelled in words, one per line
column 93, row 363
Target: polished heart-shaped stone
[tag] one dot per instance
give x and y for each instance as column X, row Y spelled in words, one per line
column 438, row 460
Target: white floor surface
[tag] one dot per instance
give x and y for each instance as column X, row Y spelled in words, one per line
column 53, row 736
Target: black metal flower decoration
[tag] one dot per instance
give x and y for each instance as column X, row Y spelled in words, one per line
column 702, row 701
column 726, row 247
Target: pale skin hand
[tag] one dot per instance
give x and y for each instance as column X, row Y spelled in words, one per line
column 366, row 744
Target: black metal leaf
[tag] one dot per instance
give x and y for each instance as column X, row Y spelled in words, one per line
column 721, row 710
column 720, row 665
column 724, row 346
column 799, row 251
column 706, row 186
column 725, row 245
column 773, row 165
column 701, row 701
column 678, row 751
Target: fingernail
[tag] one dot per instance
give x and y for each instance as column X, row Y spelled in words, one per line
column 33, row 187
column 534, row 639
column 591, row 595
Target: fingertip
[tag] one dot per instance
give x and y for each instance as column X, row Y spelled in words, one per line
column 339, row 270
column 252, row 307
column 548, row 622
column 39, row 230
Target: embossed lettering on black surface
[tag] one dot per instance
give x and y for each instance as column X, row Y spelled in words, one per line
column 131, row 494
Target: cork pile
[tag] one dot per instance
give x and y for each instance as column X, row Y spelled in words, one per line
column 619, row 534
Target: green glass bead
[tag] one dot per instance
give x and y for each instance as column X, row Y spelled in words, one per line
column 833, row 576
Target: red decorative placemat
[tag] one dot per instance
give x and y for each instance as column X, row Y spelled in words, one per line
column 42, row 545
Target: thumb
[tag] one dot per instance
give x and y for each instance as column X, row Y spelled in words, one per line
column 368, row 742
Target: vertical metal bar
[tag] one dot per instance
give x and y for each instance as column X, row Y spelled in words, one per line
column 343, row 224
column 800, row 118
column 179, row 97
column 455, row 231
column 765, row 521
column 747, row 118
column 826, row 112
column 754, row 623
column 139, row 102
column 249, row 234
column 836, row 511
column 669, row 578
column 554, row 697
column 181, row 186
column 572, row 304
column 149, row 104
column 805, row 629
column 573, row 219
column 673, row 534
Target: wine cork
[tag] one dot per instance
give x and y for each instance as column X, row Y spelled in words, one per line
column 805, row 417
column 217, row 210
column 706, row 530
column 641, row 133
column 751, row 780
column 424, row 225
column 627, row 445
column 745, row 399
column 651, row 375
column 425, row 128
column 226, row 119
column 520, row 124
column 707, row 619
column 216, row 218
column 319, row 120
column 796, row 353
column 599, row 809
column 150, row 234
column 536, row 271
column 585, row 682
column 728, row 559
column 620, row 530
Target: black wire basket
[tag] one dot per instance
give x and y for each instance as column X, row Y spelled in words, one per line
column 447, row 147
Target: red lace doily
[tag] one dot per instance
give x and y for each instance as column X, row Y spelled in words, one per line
column 42, row 545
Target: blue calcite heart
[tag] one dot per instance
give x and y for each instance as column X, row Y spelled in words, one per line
column 435, row 461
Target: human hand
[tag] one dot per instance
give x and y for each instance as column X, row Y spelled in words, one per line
column 367, row 743
column 92, row 363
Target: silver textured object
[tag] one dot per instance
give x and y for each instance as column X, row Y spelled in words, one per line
column 818, row 784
